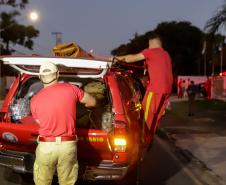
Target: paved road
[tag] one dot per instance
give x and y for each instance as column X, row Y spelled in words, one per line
column 203, row 136
column 160, row 166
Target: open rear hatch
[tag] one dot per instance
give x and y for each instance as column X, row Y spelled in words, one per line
column 80, row 67
column 18, row 130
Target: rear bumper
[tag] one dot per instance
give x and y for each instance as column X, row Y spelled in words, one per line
column 107, row 170
column 18, row 161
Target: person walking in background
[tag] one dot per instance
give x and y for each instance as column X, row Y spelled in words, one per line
column 187, row 83
column 191, row 91
column 183, row 87
column 158, row 90
column 54, row 109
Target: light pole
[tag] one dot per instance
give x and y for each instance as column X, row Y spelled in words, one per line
column 58, row 37
column 221, row 50
column 221, row 58
column 222, row 55
column 204, row 56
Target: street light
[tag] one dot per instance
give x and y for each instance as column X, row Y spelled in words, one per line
column 221, row 49
column 204, row 55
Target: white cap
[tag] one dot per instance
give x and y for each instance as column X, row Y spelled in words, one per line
column 48, row 68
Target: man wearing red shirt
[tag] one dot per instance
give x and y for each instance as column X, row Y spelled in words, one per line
column 54, row 109
column 160, row 80
column 208, row 88
column 179, row 88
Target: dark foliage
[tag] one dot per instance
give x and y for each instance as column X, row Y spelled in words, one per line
column 182, row 40
column 14, row 3
column 15, row 33
column 218, row 20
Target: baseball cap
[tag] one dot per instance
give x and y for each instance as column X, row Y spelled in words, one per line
column 47, row 68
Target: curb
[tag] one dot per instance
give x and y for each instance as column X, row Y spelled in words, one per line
column 194, row 167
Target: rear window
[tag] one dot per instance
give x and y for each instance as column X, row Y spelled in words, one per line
column 99, row 117
column 29, row 88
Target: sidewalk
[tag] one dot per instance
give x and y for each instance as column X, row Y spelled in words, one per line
column 202, row 136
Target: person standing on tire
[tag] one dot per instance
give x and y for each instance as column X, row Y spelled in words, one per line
column 54, row 109
column 159, row 88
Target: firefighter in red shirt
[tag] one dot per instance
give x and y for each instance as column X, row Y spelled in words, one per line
column 208, row 88
column 159, row 88
column 54, row 109
column 179, row 88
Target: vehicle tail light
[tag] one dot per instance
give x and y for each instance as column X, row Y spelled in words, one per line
column 120, row 139
column 120, row 144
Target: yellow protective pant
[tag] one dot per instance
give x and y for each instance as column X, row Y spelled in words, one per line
column 52, row 156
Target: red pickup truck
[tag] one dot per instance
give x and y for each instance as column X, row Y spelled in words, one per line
column 111, row 136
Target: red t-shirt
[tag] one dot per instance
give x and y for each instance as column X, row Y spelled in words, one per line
column 55, row 108
column 159, row 69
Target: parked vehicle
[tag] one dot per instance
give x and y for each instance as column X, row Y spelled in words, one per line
column 111, row 136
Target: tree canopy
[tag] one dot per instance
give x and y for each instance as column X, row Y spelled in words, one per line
column 14, row 3
column 181, row 39
column 218, row 20
column 13, row 32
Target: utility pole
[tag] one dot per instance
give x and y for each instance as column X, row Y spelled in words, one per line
column 2, row 86
column 58, row 36
column 221, row 60
column 222, row 55
column 204, row 56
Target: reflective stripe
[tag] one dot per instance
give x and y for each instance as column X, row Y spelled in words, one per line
column 148, row 102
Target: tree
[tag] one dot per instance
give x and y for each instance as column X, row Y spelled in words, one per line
column 15, row 33
column 14, row 3
column 182, row 40
column 214, row 50
column 11, row 32
column 217, row 21
column 135, row 45
column 217, row 43
column 184, row 43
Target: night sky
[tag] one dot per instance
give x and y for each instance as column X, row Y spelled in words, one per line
column 102, row 25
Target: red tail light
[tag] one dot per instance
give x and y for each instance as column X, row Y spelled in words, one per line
column 120, row 142
column 120, row 139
